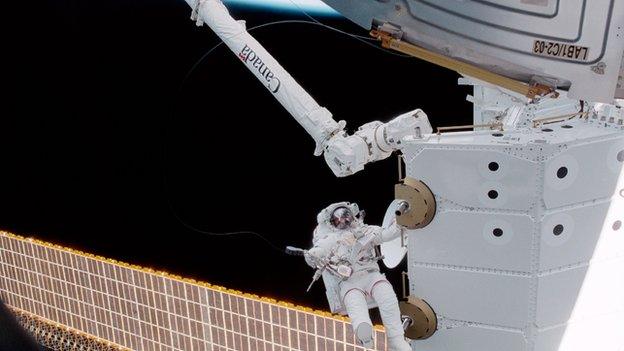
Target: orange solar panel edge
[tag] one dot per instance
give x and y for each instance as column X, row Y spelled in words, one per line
column 145, row 309
column 178, row 277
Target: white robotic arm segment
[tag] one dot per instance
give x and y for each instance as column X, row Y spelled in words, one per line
column 344, row 154
column 316, row 120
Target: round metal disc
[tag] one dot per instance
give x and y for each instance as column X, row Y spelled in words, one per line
column 424, row 319
column 422, row 204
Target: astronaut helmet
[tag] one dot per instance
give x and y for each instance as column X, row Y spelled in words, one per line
column 342, row 218
column 339, row 215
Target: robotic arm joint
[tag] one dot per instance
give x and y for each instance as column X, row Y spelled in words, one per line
column 374, row 141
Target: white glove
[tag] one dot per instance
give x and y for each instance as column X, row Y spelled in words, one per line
column 314, row 256
column 393, row 231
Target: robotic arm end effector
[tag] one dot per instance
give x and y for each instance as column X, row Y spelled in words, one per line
column 374, row 141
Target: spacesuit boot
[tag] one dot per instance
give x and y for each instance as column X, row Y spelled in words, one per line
column 364, row 333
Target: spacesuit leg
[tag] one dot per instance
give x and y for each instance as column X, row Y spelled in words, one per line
column 386, row 299
column 357, row 308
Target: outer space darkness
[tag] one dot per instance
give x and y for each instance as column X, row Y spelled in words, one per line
column 114, row 145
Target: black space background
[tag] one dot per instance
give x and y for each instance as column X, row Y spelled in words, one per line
column 100, row 142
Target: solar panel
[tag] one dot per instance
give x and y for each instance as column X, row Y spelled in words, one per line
column 71, row 298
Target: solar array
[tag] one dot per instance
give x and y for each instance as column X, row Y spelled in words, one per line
column 121, row 306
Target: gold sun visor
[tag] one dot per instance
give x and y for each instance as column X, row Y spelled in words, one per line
column 574, row 45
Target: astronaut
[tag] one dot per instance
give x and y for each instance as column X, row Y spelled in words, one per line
column 343, row 242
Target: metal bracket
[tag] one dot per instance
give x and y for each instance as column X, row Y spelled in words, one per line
column 388, row 35
column 400, row 163
column 391, row 30
column 492, row 126
column 556, row 119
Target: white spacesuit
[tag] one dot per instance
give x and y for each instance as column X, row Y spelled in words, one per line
column 342, row 241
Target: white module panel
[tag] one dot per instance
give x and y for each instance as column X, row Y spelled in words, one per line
column 528, row 237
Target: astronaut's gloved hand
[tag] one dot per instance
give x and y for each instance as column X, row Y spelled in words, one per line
column 391, row 232
column 315, row 256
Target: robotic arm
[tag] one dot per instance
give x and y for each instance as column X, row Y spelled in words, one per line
column 345, row 154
